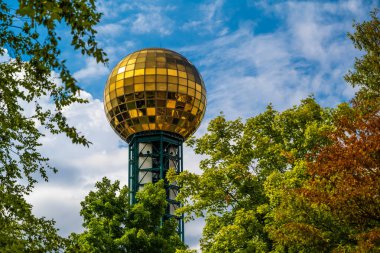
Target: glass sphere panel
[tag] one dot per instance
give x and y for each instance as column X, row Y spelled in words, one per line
column 154, row 89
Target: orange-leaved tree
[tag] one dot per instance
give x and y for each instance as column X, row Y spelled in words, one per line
column 346, row 174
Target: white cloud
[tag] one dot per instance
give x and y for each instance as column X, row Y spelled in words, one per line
column 4, row 56
column 193, row 231
column 210, row 19
column 316, row 29
column 151, row 22
column 245, row 72
column 309, row 55
column 111, row 29
column 92, row 70
column 144, row 17
column 79, row 167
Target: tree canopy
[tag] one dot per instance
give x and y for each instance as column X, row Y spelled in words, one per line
column 113, row 225
column 231, row 192
column 32, row 69
column 302, row 180
column 365, row 74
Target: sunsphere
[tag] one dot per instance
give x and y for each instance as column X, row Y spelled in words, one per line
column 154, row 89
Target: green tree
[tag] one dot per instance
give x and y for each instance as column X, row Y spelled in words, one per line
column 113, row 225
column 337, row 207
column 345, row 175
column 29, row 35
column 241, row 157
column 367, row 68
column 293, row 222
column 302, row 180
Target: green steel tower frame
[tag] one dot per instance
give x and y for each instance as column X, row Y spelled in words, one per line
column 155, row 99
column 151, row 154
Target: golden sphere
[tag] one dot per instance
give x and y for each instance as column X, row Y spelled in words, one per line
column 154, row 89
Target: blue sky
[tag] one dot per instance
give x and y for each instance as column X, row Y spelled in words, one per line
column 271, row 51
column 250, row 53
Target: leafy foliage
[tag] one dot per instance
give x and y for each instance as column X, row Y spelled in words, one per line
column 366, row 69
column 231, row 191
column 20, row 230
column 113, row 225
column 346, row 176
column 302, row 180
column 29, row 36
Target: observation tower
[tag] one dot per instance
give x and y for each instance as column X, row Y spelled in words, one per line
column 155, row 99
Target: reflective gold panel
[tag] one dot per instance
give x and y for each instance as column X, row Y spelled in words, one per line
column 154, row 89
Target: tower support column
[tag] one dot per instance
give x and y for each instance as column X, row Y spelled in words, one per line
column 151, row 154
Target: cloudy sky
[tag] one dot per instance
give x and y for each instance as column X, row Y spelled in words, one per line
column 250, row 53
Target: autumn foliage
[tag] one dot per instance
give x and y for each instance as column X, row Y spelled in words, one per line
column 346, row 174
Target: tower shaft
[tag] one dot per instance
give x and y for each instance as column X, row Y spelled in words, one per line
column 151, row 154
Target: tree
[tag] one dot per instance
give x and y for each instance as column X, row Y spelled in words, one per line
column 28, row 34
column 293, row 222
column 113, row 225
column 337, row 207
column 329, row 202
column 345, row 176
column 231, row 191
column 303, row 180
column 367, row 68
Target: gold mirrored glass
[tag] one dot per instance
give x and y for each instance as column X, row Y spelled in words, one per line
column 154, row 89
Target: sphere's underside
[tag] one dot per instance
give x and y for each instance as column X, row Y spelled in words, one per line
column 154, row 89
